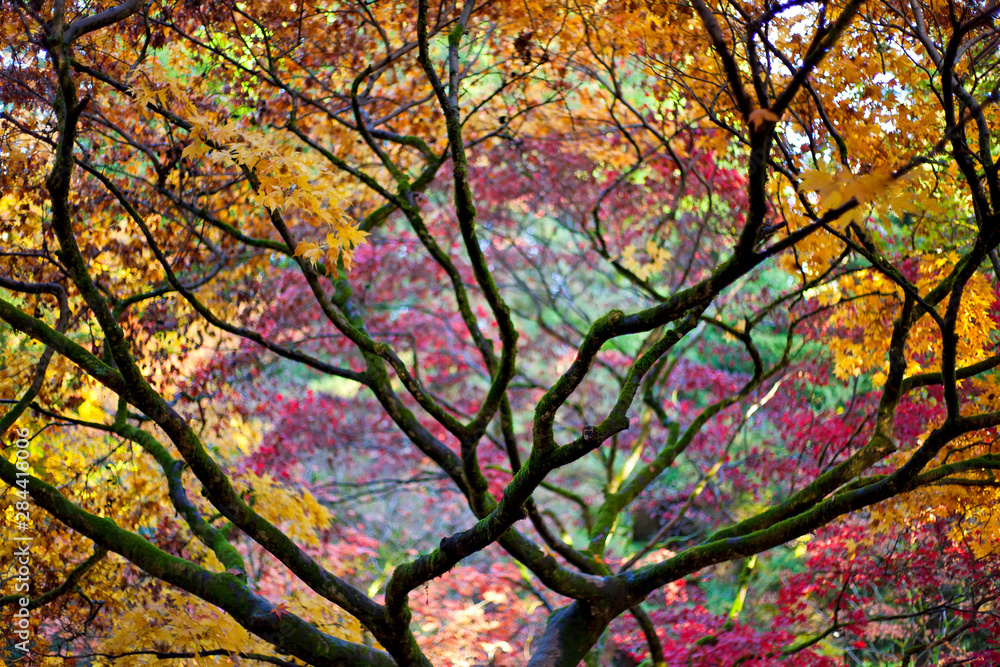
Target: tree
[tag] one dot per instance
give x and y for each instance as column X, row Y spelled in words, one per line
column 571, row 266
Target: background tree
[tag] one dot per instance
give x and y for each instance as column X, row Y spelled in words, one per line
column 560, row 271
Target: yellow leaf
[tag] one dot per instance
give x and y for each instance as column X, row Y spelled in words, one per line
column 195, row 149
column 309, row 250
column 350, row 237
column 813, row 181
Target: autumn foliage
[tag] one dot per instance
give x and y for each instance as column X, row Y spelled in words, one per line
column 500, row 333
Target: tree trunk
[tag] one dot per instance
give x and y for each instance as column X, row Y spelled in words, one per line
column 569, row 634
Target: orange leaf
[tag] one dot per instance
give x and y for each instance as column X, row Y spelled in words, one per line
column 760, row 116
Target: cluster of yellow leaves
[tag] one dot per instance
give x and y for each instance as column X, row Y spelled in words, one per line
column 14, row 365
column 298, row 513
column 657, row 255
column 21, row 217
column 976, row 510
column 182, row 622
column 338, row 245
column 185, row 623
column 298, row 184
column 875, row 192
column 878, row 194
column 117, row 480
column 172, row 618
column 867, row 321
column 294, row 183
column 117, row 486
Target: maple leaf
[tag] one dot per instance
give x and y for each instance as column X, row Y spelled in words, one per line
column 350, row 237
column 814, row 181
column 309, row 250
column 280, row 610
column 758, row 117
column 196, row 149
